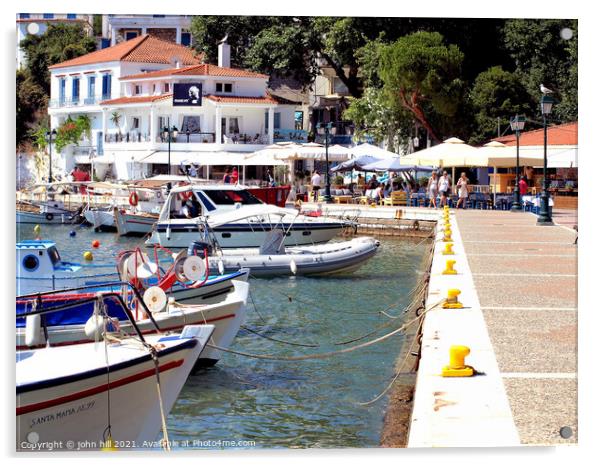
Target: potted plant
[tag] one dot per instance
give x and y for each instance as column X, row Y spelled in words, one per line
column 338, row 182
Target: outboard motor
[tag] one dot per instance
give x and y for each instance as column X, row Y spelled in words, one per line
column 197, row 248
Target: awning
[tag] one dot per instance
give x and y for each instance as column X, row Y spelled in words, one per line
column 107, row 158
column 205, row 158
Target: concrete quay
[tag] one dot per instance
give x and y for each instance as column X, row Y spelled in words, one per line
column 518, row 285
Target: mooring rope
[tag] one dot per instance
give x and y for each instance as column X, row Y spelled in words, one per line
column 328, row 354
column 248, row 329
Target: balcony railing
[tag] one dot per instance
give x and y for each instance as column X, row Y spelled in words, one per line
column 131, row 136
column 59, row 103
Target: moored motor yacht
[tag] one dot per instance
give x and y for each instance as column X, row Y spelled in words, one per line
column 188, row 208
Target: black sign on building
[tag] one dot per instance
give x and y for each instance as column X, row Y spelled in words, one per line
column 187, row 94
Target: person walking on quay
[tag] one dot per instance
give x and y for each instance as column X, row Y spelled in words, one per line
column 523, row 185
column 234, row 177
column 462, row 187
column 227, row 178
column 316, row 181
column 444, row 188
column 431, row 188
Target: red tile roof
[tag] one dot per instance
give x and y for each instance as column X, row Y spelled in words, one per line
column 141, row 49
column 204, row 69
column 136, row 99
column 558, row 135
column 242, row 100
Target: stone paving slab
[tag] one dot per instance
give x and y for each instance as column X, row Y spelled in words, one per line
column 512, row 291
column 524, row 340
column 541, row 407
column 528, row 249
column 524, row 264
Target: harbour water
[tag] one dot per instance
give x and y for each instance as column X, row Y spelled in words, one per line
column 256, row 403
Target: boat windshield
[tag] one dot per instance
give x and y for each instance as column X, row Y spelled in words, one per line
column 231, row 197
column 54, row 255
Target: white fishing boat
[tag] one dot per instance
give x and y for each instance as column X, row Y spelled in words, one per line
column 133, row 223
column 44, row 213
column 39, row 268
column 227, row 316
column 85, row 396
column 182, row 219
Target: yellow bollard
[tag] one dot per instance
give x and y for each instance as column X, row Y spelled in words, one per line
column 449, row 268
column 448, row 251
column 447, row 236
column 456, row 367
column 451, row 302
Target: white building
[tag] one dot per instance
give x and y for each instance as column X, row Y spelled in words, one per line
column 127, row 91
column 37, row 23
column 173, row 28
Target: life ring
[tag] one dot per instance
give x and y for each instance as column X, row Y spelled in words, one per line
column 134, row 199
column 185, row 195
column 159, row 195
column 49, row 217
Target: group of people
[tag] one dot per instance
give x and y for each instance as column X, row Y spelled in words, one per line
column 230, row 176
column 440, row 186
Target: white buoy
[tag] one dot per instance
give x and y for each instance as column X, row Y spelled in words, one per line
column 293, row 267
column 155, row 299
column 33, row 331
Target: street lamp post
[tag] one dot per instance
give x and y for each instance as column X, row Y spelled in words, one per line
column 517, row 124
column 50, row 135
column 169, row 134
column 326, row 130
column 544, row 217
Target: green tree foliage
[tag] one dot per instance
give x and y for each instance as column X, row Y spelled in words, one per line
column 542, row 56
column 32, row 103
column 423, row 74
column 497, row 94
column 59, row 43
column 70, row 132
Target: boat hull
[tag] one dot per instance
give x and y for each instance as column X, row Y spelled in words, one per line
column 227, row 316
column 72, row 411
column 129, row 224
column 243, row 235
column 102, row 220
column 49, row 218
column 332, row 258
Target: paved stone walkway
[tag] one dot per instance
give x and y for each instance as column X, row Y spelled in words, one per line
column 526, row 280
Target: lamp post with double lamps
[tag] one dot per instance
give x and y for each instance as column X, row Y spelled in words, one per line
column 517, row 124
column 50, row 135
column 544, row 217
column 169, row 134
column 326, row 130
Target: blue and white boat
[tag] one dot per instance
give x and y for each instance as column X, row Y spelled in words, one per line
column 40, row 269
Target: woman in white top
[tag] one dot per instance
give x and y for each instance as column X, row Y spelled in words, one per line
column 462, row 187
column 432, row 189
column 443, row 188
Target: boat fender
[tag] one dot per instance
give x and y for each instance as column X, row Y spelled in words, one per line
column 293, row 267
column 416, row 225
column 94, row 326
column 220, row 267
column 49, row 217
column 134, row 199
column 155, row 299
column 33, row 334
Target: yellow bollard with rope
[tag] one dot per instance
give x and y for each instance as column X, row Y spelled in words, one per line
column 447, row 236
column 451, row 302
column 457, row 366
column 109, row 444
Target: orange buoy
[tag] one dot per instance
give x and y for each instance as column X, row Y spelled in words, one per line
column 95, row 243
